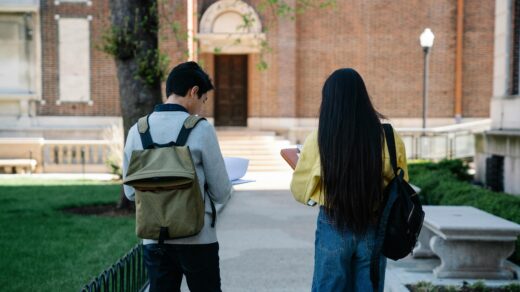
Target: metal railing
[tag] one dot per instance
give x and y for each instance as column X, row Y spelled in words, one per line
column 128, row 274
column 454, row 141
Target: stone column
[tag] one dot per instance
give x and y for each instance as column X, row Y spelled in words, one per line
column 504, row 107
column 502, row 49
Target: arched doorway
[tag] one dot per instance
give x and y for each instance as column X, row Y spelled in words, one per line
column 230, row 31
column 231, row 90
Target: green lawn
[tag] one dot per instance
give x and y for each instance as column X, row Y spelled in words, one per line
column 44, row 249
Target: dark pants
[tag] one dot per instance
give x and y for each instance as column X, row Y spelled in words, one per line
column 167, row 263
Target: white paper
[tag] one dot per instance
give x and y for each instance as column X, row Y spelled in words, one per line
column 241, row 181
column 236, row 168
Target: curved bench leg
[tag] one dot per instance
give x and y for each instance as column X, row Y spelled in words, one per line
column 423, row 250
column 472, row 259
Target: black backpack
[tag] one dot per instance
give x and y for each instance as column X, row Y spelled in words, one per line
column 400, row 221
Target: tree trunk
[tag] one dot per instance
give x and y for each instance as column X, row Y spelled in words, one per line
column 137, row 97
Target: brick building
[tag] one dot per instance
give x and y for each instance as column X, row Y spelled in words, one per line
column 55, row 83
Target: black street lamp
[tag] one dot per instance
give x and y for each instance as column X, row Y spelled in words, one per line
column 426, row 40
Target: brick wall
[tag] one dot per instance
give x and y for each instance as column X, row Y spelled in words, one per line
column 272, row 92
column 477, row 83
column 381, row 40
column 103, row 76
column 378, row 38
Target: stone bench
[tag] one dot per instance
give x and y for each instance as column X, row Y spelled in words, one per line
column 470, row 243
column 18, row 165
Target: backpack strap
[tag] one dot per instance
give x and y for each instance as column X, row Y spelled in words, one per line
column 375, row 258
column 379, row 240
column 213, row 213
column 144, row 131
column 188, row 125
column 213, row 209
column 390, row 143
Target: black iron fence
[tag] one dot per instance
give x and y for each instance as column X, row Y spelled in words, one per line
column 128, row 274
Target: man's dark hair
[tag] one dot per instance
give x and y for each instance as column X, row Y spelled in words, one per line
column 186, row 75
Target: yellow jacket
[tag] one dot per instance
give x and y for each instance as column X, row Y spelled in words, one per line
column 306, row 183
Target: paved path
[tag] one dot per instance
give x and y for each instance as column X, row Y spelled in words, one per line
column 266, row 238
column 266, row 242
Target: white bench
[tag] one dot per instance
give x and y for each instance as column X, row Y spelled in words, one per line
column 18, row 165
column 471, row 243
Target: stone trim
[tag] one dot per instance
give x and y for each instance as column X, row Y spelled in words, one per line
column 239, row 42
column 87, row 2
column 59, row 100
column 223, row 6
column 32, row 6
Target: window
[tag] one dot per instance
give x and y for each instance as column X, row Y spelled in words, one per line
column 74, row 59
column 15, row 54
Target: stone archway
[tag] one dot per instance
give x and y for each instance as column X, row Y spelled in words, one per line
column 227, row 43
column 224, row 30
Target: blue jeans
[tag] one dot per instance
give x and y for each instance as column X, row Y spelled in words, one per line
column 342, row 259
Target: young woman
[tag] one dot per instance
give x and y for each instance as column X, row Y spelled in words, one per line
column 344, row 167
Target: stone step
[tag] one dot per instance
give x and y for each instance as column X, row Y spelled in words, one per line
column 266, row 162
column 263, row 157
column 269, row 156
column 249, row 140
column 233, row 130
column 248, row 134
column 252, row 149
column 274, row 143
column 268, row 169
column 262, row 149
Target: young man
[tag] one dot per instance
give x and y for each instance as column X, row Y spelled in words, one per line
column 195, row 257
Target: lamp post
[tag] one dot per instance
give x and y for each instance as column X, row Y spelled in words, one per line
column 426, row 40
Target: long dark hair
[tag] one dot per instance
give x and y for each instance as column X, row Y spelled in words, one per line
column 350, row 139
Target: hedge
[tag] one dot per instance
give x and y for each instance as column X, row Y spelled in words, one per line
column 447, row 183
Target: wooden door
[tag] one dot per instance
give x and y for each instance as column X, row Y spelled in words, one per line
column 231, row 90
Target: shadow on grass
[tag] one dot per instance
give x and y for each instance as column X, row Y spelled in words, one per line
column 108, row 210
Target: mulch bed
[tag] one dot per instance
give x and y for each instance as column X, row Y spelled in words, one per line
column 464, row 288
column 108, row 210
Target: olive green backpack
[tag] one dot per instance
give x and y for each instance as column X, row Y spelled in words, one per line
column 168, row 198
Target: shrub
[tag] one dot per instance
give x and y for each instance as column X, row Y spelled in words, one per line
column 114, row 134
column 447, row 183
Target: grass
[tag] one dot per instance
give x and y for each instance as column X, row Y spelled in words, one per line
column 45, row 249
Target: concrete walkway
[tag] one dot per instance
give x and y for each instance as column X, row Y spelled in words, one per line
column 266, row 238
column 266, row 242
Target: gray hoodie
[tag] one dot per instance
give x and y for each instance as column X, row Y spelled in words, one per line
column 165, row 125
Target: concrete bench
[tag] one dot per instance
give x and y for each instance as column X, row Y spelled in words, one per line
column 470, row 243
column 18, row 165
